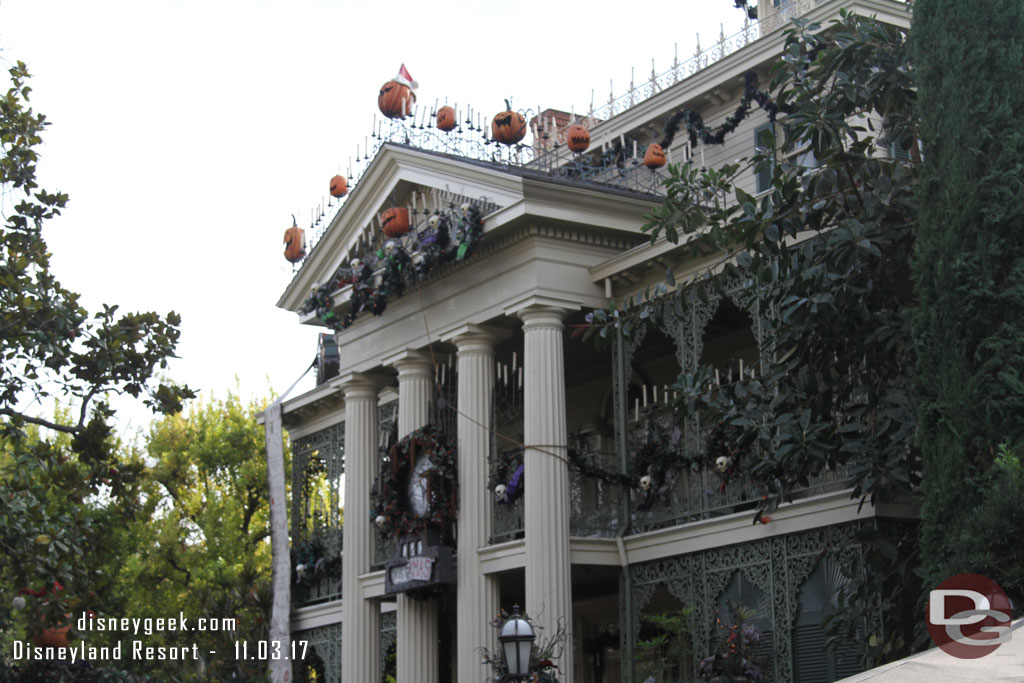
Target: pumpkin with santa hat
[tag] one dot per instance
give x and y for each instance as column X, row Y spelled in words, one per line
column 396, row 96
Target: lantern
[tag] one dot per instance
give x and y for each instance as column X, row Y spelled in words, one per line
column 508, row 127
column 654, row 157
column 516, row 640
column 339, row 186
column 577, row 138
column 294, row 242
column 446, row 118
column 395, row 100
column 394, row 222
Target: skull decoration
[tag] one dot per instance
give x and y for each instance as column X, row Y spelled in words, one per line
column 500, row 493
column 723, row 463
column 299, row 569
column 645, row 482
column 465, row 210
column 356, row 264
column 434, row 221
column 379, row 521
column 389, row 247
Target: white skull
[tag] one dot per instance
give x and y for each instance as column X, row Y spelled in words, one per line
column 389, row 246
column 722, row 463
column 356, row 263
column 645, row 482
column 499, row 492
column 434, row 221
column 465, row 209
column 18, row 602
column 300, row 569
column 380, row 520
column 314, row 287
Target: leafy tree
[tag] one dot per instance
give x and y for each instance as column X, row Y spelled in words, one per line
column 827, row 249
column 51, row 487
column 200, row 543
column 969, row 278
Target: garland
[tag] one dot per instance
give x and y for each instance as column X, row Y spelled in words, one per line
column 694, row 122
column 388, row 272
column 508, row 480
column 311, row 562
column 390, row 509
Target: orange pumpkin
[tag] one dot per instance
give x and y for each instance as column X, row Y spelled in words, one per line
column 53, row 637
column 446, row 118
column 339, row 186
column 654, row 157
column 508, row 127
column 577, row 138
column 394, row 222
column 295, row 242
column 393, row 97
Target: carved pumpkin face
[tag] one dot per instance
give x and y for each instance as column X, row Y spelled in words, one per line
column 394, row 222
column 655, row 156
column 577, row 138
column 339, row 186
column 446, row 118
column 390, row 100
column 508, row 127
column 294, row 243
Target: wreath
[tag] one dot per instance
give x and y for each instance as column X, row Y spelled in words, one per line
column 390, row 510
column 377, row 277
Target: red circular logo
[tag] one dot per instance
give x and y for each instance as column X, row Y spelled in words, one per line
column 968, row 616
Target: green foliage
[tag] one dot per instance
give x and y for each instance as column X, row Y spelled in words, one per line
column 60, row 496
column 969, row 327
column 827, row 251
column 669, row 647
column 201, row 542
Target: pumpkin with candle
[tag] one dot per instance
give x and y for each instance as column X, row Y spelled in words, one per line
column 396, row 97
column 654, row 157
column 339, row 186
column 508, row 127
column 394, row 222
column 446, row 118
column 294, row 242
column 577, row 138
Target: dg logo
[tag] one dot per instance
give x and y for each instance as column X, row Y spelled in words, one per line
column 968, row 616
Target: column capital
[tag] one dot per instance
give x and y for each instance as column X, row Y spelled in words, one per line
column 359, row 385
column 535, row 307
column 410, row 362
column 475, row 338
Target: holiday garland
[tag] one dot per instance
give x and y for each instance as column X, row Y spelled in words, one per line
column 387, row 273
column 694, row 122
column 508, row 480
column 391, row 511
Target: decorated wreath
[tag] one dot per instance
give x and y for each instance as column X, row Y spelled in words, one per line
column 377, row 277
column 391, row 510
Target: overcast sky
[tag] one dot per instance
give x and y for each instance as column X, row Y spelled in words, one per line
column 186, row 132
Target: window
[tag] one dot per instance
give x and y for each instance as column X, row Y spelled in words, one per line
column 898, row 152
column 764, row 143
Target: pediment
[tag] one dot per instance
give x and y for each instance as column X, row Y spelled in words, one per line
column 399, row 176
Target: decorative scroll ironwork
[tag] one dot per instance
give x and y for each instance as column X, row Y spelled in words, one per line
column 323, row 655
column 384, row 545
column 594, row 504
column 318, row 463
column 776, row 569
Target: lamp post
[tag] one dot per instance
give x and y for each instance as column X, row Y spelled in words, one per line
column 516, row 640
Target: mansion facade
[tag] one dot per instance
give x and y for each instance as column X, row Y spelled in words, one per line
column 498, row 499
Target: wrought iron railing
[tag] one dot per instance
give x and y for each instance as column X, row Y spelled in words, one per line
column 317, row 573
column 594, row 503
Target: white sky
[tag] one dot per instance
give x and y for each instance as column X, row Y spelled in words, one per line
column 187, row 131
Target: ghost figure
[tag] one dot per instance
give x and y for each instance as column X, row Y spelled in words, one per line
column 645, row 482
column 723, row 463
column 499, row 493
column 379, row 521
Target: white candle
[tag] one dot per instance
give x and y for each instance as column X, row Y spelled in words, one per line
column 520, row 378
column 513, row 361
column 636, row 411
column 741, row 368
column 717, row 380
column 669, row 152
column 634, row 149
column 655, row 390
column 645, row 396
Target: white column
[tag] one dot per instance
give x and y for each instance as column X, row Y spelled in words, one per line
column 546, row 504
column 477, row 597
column 417, row 619
column 360, row 628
